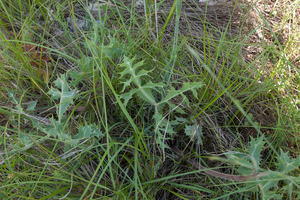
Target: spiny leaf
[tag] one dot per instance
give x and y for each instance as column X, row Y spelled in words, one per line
column 143, row 73
column 57, row 129
column 157, row 117
column 270, row 182
column 143, row 91
column 130, row 69
column 126, row 84
column 12, row 97
column 167, row 126
column 25, row 140
column 160, row 141
column 186, row 87
column 146, row 95
column 163, row 125
column 39, row 126
column 176, row 108
column 66, row 137
column 65, row 96
column 255, row 150
column 235, row 160
column 286, row 164
column 88, row 131
column 113, row 50
column 31, row 106
column 128, row 96
column 19, row 108
column 84, row 132
column 86, row 66
column 244, row 171
column 77, row 77
column 192, row 87
column 194, row 132
column 242, row 160
column 151, row 85
column 290, row 188
column 94, row 40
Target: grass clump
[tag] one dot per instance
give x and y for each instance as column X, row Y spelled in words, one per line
column 147, row 100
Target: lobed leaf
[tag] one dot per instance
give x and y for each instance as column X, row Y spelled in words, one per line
column 269, row 185
column 86, row 66
column 186, row 87
column 146, row 95
column 56, row 129
column 31, row 106
column 24, row 139
column 128, row 96
column 113, row 50
column 194, row 132
column 12, row 97
column 65, row 96
column 88, row 131
column 130, row 69
column 286, row 164
column 255, row 150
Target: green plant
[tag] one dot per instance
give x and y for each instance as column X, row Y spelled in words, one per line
column 254, row 177
column 267, row 181
column 163, row 125
column 106, row 87
column 57, row 128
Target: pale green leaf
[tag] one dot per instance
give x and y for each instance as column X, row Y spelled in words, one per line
column 235, row 160
column 57, row 128
column 186, row 87
column 88, row 131
column 77, row 77
column 290, row 188
column 86, row 67
column 244, row 171
column 269, row 185
column 65, row 96
column 255, row 150
column 85, row 64
column 192, row 86
column 126, row 83
column 65, row 137
column 146, row 95
column 19, row 108
column 115, row 49
column 31, row 106
column 177, row 108
column 39, row 126
column 128, row 96
column 286, row 164
column 160, row 140
column 12, row 97
column 194, row 132
column 184, row 120
column 24, row 139
column 129, row 67
column 151, row 85
column 157, row 117
column 143, row 73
